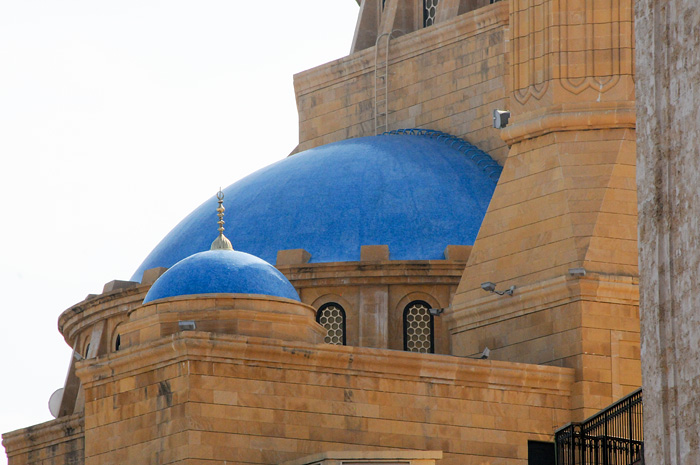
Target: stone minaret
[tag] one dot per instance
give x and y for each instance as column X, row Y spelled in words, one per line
column 566, row 201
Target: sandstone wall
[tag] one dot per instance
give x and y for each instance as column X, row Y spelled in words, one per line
column 566, row 200
column 448, row 77
column 590, row 324
column 375, row 294
column 214, row 398
column 56, row 442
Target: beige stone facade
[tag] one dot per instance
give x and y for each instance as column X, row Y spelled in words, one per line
column 566, row 200
column 201, row 396
column 214, row 379
column 449, row 78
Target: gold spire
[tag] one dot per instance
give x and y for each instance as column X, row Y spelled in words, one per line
column 221, row 242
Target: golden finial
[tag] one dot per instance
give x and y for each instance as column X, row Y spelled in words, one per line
column 221, row 242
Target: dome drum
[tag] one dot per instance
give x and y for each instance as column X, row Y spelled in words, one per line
column 240, row 314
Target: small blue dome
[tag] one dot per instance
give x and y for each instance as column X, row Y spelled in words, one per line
column 416, row 192
column 221, row 272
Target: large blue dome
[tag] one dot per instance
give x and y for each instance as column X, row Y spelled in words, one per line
column 221, row 272
column 416, row 193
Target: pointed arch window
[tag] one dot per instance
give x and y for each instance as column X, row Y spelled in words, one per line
column 418, row 328
column 332, row 317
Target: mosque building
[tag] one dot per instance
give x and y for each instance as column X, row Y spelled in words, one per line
column 455, row 274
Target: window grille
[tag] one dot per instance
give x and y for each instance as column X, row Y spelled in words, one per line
column 332, row 317
column 429, row 10
column 418, row 328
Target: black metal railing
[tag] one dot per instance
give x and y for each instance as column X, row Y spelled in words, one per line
column 612, row 437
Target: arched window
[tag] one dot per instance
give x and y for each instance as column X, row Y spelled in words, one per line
column 117, row 338
column 418, row 328
column 332, row 317
column 429, row 12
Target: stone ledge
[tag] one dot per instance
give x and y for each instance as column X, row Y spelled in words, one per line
column 89, row 312
column 380, row 363
column 50, row 433
column 370, row 457
column 546, row 294
column 384, row 272
column 571, row 117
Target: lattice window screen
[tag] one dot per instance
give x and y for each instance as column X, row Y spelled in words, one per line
column 429, row 10
column 332, row 317
column 418, row 328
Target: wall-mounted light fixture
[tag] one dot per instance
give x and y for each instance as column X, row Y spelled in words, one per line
column 500, row 118
column 577, row 272
column 436, row 311
column 488, row 286
column 484, row 355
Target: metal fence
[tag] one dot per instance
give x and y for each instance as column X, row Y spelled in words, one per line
column 612, row 437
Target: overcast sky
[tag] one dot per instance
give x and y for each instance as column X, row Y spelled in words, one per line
column 117, row 118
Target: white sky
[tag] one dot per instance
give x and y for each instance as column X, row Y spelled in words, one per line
column 116, row 120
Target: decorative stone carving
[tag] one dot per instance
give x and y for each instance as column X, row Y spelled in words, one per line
column 531, row 54
column 589, row 43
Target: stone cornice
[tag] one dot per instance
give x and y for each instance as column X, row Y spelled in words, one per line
column 92, row 310
column 390, row 456
column 546, row 294
column 571, row 117
column 384, row 272
column 217, row 301
column 52, row 432
column 403, row 47
column 380, row 363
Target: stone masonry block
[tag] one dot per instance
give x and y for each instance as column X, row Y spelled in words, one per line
column 293, row 257
column 150, row 275
column 374, row 253
column 458, row 253
column 116, row 284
